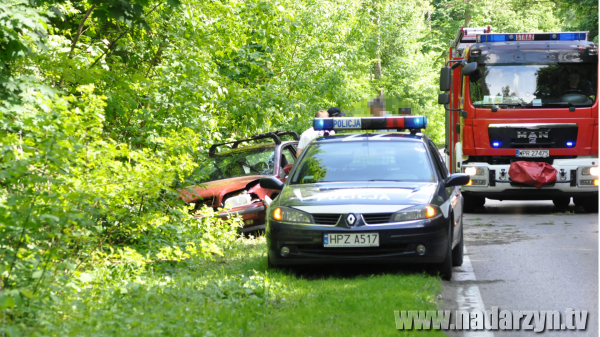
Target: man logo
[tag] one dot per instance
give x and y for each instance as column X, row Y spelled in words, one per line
column 351, row 219
column 533, row 136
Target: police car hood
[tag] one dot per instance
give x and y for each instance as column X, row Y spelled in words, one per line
column 364, row 197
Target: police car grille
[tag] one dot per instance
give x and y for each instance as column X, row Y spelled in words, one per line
column 326, row 219
column 377, row 218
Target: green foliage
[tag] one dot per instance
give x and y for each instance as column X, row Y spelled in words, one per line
column 236, row 295
column 581, row 15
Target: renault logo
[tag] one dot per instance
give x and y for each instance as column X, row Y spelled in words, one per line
column 351, row 219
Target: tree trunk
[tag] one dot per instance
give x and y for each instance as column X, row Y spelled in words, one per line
column 467, row 13
column 377, row 64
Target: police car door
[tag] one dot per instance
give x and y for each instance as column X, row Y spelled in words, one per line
column 453, row 193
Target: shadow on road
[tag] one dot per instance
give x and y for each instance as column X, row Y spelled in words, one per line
column 524, row 207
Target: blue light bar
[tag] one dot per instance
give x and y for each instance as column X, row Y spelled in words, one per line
column 495, row 144
column 370, row 123
column 415, row 122
column 323, row 123
column 570, row 144
column 512, row 37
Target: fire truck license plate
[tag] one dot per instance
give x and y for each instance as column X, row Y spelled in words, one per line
column 533, row 153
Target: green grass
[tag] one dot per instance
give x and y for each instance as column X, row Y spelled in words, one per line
column 476, row 219
column 236, row 295
column 564, row 213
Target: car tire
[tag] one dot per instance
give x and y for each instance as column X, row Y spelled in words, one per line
column 445, row 268
column 471, row 203
column 458, row 251
column 589, row 204
column 270, row 266
column 561, row 204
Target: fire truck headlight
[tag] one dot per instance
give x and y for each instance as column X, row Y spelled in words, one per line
column 475, row 171
column 590, row 171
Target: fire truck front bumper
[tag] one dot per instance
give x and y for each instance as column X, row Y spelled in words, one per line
column 575, row 178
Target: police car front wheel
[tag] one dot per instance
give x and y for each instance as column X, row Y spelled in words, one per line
column 445, row 267
column 458, row 251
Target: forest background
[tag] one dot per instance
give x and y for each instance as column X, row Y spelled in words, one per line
column 106, row 107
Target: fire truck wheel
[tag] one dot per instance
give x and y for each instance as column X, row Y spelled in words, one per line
column 588, row 204
column 561, row 204
column 472, row 203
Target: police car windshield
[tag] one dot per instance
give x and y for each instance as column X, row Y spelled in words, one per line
column 531, row 85
column 364, row 161
column 237, row 163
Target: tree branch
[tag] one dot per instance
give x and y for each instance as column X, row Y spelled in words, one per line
column 114, row 43
column 80, row 30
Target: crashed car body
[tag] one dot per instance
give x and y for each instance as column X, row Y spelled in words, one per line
column 368, row 198
column 229, row 179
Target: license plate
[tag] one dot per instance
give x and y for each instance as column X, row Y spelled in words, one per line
column 533, row 153
column 351, row 240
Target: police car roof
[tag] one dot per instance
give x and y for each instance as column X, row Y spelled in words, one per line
column 373, row 136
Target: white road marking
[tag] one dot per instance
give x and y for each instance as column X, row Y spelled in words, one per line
column 468, row 297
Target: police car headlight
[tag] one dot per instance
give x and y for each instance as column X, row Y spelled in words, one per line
column 417, row 212
column 287, row 214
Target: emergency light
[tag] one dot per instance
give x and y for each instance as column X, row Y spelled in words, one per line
column 370, row 123
column 512, row 37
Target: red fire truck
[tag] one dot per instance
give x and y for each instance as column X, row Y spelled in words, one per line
column 515, row 97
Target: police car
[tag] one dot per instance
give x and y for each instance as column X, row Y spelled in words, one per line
column 368, row 197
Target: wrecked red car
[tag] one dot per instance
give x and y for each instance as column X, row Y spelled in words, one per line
column 230, row 177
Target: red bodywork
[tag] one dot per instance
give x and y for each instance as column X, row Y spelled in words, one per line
column 213, row 193
column 474, row 136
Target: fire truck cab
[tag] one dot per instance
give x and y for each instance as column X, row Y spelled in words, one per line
column 522, row 97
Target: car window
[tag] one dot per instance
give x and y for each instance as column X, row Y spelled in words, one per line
column 287, row 157
column 237, row 163
column 364, row 161
column 437, row 158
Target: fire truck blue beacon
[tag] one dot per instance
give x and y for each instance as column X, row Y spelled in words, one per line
column 368, row 197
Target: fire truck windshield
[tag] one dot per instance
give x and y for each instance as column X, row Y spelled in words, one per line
column 534, row 85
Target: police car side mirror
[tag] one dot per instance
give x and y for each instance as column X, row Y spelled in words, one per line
column 469, row 69
column 456, row 179
column 271, row 183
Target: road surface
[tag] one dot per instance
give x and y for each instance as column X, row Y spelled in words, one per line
column 523, row 256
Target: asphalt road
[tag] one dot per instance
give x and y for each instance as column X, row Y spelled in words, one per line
column 524, row 256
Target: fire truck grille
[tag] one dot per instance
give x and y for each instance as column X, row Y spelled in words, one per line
column 559, row 136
